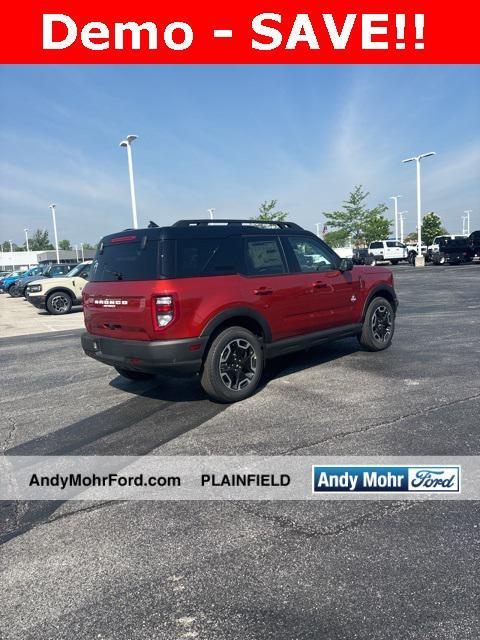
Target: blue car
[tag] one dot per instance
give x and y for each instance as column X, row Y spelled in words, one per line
column 9, row 283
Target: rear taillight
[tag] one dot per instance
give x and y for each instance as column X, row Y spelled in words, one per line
column 163, row 311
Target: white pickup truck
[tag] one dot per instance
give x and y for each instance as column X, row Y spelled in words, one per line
column 388, row 250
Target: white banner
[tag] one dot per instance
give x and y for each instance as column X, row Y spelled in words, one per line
column 239, row 478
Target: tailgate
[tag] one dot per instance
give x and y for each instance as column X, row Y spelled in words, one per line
column 119, row 309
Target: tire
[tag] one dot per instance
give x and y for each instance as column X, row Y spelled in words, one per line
column 233, row 365
column 394, row 261
column 438, row 259
column 15, row 292
column 372, row 262
column 411, row 257
column 59, row 303
column 374, row 327
column 137, row 376
column 10, row 289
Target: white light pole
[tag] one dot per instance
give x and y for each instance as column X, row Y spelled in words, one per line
column 419, row 258
column 317, row 225
column 128, row 143
column 395, row 199
column 26, row 244
column 81, row 249
column 211, row 212
column 467, row 215
column 401, row 216
column 76, row 251
column 11, row 246
column 52, row 207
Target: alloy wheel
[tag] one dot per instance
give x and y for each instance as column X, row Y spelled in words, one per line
column 238, row 364
column 382, row 324
column 60, row 303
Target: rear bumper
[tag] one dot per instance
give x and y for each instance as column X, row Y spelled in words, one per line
column 176, row 357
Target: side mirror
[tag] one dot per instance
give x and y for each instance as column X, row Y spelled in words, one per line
column 346, row 264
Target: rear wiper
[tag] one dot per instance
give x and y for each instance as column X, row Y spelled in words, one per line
column 118, row 274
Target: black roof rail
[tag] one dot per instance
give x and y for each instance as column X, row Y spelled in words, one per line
column 229, row 222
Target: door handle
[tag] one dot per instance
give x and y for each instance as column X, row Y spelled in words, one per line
column 319, row 284
column 263, row 291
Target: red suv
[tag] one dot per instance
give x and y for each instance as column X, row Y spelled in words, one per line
column 218, row 298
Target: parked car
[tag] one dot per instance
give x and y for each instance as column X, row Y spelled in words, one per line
column 474, row 241
column 3, row 275
column 453, row 251
column 49, row 271
column 219, row 298
column 16, row 289
column 435, row 246
column 388, row 250
column 9, row 281
column 59, row 295
column 362, row 256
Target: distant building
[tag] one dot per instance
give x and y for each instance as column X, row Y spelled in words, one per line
column 20, row 260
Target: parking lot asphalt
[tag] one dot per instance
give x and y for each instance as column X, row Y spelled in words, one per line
column 252, row 570
column 18, row 318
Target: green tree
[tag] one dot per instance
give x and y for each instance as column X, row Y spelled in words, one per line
column 87, row 245
column 375, row 227
column 267, row 212
column 65, row 245
column 6, row 246
column 432, row 226
column 39, row 241
column 336, row 238
column 356, row 220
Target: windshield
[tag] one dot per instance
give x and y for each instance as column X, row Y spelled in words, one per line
column 76, row 269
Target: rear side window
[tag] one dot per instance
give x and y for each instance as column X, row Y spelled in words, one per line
column 376, row 245
column 263, row 256
column 206, row 257
column 392, row 244
column 142, row 260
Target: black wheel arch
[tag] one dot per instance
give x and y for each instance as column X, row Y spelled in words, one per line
column 243, row 317
column 61, row 290
column 381, row 291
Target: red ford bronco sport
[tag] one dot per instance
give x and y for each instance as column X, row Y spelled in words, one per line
column 218, row 298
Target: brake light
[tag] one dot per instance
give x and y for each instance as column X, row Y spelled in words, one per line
column 163, row 311
column 123, row 239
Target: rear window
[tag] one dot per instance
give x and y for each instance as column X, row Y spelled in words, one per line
column 129, row 261
column 453, row 242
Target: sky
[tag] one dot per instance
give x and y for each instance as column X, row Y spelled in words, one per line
column 230, row 137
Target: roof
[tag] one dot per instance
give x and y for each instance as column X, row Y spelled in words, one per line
column 211, row 228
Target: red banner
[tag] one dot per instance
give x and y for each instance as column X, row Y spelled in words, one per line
column 255, row 31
